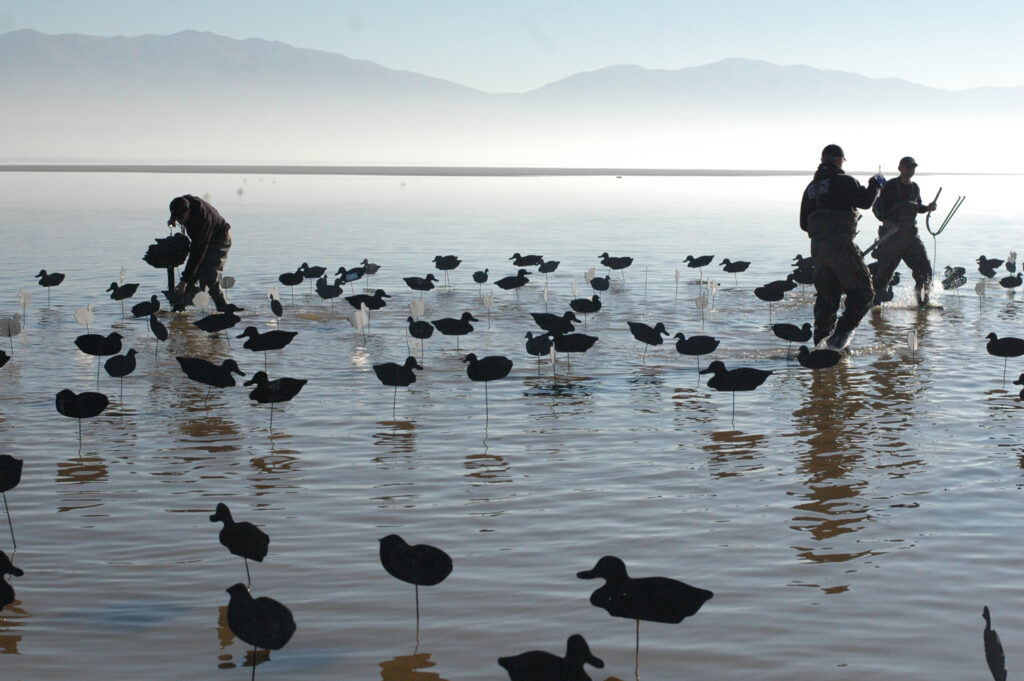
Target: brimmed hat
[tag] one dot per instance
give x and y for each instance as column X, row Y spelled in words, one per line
column 908, row 161
column 833, row 152
column 179, row 207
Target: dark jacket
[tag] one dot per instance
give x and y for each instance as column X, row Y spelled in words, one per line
column 901, row 202
column 833, row 190
column 206, row 229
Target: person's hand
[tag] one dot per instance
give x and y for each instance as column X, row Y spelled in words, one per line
column 180, row 288
column 873, row 182
column 931, row 206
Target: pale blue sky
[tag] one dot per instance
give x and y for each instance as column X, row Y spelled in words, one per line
column 502, row 46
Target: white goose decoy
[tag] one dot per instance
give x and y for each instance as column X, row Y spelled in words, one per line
column 85, row 316
column 10, row 327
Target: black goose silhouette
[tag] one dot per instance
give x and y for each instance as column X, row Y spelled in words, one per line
column 455, row 327
column 273, row 391
column 120, row 366
column 553, row 323
column 210, row 374
column 372, row 302
column 586, row 305
column 264, row 342
column 699, row 262
column 526, row 260
column 485, row 370
column 791, row 333
column 48, row 281
column 420, row 565
column 328, row 291
column 1005, row 348
column 538, row 346
column 292, row 279
column 480, row 276
column 987, row 266
column 734, row 267
column 600, row 283
column 397, row 375
column 99, row 346
column 734, row 380
column 122, row 293
column 446, row 263
column 347, row 276
column 537, row 665
column 261, row 622
column 548, row 266
column 616, row 263
column 573, row 343
column 146, row 307
column 993, row 648
column 420, row 283
column 513, row 283
column 242, row 539
column 648, row 335
column 10, row 476
column 818, row 359
column 6, row 590
column 695, row 346
column 81, row 406
column 420, row 330
column 652, row 599
column 220, row 321
column 1012, row 281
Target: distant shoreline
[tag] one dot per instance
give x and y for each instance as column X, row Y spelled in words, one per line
column 413, row 171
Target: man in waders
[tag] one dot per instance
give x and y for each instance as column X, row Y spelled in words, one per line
column 901, row 203
column 828, row 213
column 210, row 237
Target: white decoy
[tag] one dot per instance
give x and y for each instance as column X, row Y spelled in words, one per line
column 85, row 316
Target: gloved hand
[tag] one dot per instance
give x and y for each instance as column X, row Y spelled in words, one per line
column 876, row 181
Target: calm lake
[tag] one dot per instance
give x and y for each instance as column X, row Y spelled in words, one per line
column 850, row 527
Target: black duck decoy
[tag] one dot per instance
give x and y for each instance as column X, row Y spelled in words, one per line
column 275, row 391
column 292, row 279
column 586, row 305
column 419, row 329
column 220, row 321
column 538, row 346
column 6, row 590
column 573, row 343
column 695, row 346
column 4, row 358
column 538, row 665
column 553, row 323
column 10, row 476
column 485, row 370
column 268, row 340
column 261, row 622
column 600, row 283
column 49, row 280
column 480, row 276
column 1005, row 348
column 328, row 291
column 993, row 648
column 241, row 539
column 791, row 333
column 311, row 272
column 987, row 266
column 397, row 375
column 120, row 366
column 953, row 278
column 157, row 327
column 513, row 282
column 372, row 302
column 446, row 263
column 146, row 308
column 548, row 266
column 370, row 267
column 122, row 292
column 648, row 335
column 653, row 599
column 733, row 267
column 1012, row 281
column 1020, row 382
column 818, row 359
column 167, row 253
column 455, row 327
column 420, row 283
column 210, row 374
column 347, row 276
column 699, row 262
column 615, row 262
column 419, row 565
column 98, row 345
column 526, row 260
column 734, row 380
column 81, row 406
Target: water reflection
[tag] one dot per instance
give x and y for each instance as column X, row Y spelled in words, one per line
column 486, row 468
column 225, row 638
column 728, row 447
column 407, row 668
column 12, row 619
column 399, row 437
column 209, row 432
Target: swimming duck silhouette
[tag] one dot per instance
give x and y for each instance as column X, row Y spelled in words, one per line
column 48, row 281
column 275, row 391
column 146, row 308
column 4, row 358
column 615, row 263
column 526, row 260
column 420, row 565
column 538, row 665
column 538, row 346
column 220, row 321
column 80, row 406
column 420, row 283
column 648, row 335
column 485, row 370
column 699, row 262
column 600, row 283
column 372, row 302
column 1005, row 348
column 397, row 375
column 653, row 599
column 695, row 346
column 513, row 283
column 455, row 327
column 791, row 333
column 210, row 374
column 122, row 292
column 734, row 267
column 241, row 538
column 553, row 323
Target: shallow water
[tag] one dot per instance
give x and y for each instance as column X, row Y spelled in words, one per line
column 851, row 526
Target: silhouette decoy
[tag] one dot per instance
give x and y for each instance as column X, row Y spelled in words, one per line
column 446, row 263
column 420, row 565
column 261, row 622
column 774, row 291
column 4, row 358
column 1005, row 348
column 734, row 267
column 268, row 340
column 695, row 346
column 485, row 370
column 1020, row 382
column 10, row 476
column 220, row 321
column 167, row 253
column 420, row 283
column 734, row 380
column 157, row 327
column 480, row 276
column 397, row 375
column 10, row 327
column 538, row 665
column 616, row 263
column 652, row 599
column 347, row 276
column 526, row 260
column 292, row 279
column 600, row 283
column 586, row 305
column 818, row 359
column 273, row 391
column 48, row 281
column 372, row 302
column 328, row 291
column 648, row 335
column 6, row 590
column 313, row 273
column 455, row 327
column 146, row 308
column 1012, row 281
column 81, row 406
column 122, row 293
column 242, row 539
column 548, row 266
column 420, row 330
column 120, row 366
column 553, row 323
column 370, row 267
column 993, row 648
column 953, row 278
column 515, row 282
column 210, row 374
column 699, row 262
column 538, row 346
column 987, row 266
column 99, row 346
column 791, row 333
column 573, row 342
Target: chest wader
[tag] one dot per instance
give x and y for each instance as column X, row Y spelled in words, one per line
column 838, row 269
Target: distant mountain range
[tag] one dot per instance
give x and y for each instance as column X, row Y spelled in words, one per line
column 202, row 98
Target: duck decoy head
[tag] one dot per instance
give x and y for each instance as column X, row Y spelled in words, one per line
column 714, row 368
column 430, row 277
column 468, row 317
column 379, row 293
column 7, row 567
column 523, row 273
column 609, row 567
column 259, row 378
column 250, row 332
column 232, row 366
column 680, row 336
column 471, row 358
column 577, row 649
column 411, row 363
column 238, row 590
column 222, row 513
column 660, row 329
column 992, row 336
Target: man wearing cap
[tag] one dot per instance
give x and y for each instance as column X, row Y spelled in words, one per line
column 901, row 203
column 828, row 213
column 210, row 238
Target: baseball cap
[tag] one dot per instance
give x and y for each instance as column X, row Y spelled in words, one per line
column 832, row 151
column 908, row 161
column 179, row 207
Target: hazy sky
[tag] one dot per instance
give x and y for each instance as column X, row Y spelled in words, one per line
column 501, row 46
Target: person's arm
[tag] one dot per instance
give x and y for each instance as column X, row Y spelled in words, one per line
column 862, row 197
column 199, row 246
